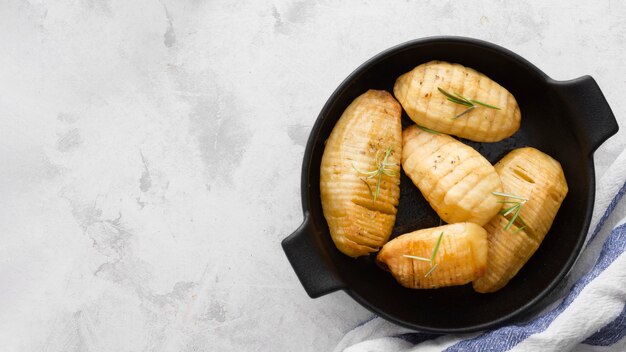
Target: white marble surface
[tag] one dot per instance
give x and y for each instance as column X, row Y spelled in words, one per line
column 150, row 156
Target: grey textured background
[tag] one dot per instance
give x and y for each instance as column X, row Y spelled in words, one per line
column 150, row 156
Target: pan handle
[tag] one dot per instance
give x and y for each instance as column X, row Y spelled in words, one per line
column 303, row 249
column 592, row 118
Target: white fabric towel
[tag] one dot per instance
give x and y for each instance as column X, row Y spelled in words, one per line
column 588, row 313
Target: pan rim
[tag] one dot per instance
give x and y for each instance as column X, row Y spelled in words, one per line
column 360, row 70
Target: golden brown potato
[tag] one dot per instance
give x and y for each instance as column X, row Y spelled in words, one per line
column 454, row 178
column 417, row 91
column 360, row 195
column 460, row 257
column 509, row 250
column 539, row 180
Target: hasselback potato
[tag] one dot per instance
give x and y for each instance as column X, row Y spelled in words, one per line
column 454, row 178
column 419, row 93
column 460, row 257
column 360, row 173
column 536, row 187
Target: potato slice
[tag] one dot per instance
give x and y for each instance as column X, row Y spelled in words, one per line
column 460, row 258
column 360, row 209
column 454, row 178
column 417, row 91
column 537, row 177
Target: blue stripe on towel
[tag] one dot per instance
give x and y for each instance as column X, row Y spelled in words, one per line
column 611, row 333
column 366, row 321
column 505, row 338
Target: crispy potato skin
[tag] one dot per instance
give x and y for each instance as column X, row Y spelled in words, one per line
column 417, row 91
column 534, row 175
column 461, row 257
column 454, row 178
column 369, row 126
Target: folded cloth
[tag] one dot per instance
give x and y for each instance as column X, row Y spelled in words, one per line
column 588, row 312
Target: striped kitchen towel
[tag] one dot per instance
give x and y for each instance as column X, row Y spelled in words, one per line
column 588, row 313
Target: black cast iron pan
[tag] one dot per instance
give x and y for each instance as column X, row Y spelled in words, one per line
column 567, row 120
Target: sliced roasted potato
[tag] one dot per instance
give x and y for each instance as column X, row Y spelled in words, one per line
column 460, row 257
column 509, row 250
column 417, row 91
column 539, row 180
column 454, row 178
column 359, row 203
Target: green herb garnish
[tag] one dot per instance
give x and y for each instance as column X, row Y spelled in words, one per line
column 368, row 187
column 515, row 208
column 417, row 258
column 470, row 103
column 428, row 129
column 431, row 260
column 432, row 268
column 383, row 169
column 432, row 256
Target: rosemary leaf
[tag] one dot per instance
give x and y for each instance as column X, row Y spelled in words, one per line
column 432, row 256
column 416, row 257
column 462, row 102
column 502, row 194
column 364, row 172
column 464, row 99
column 464, row 112
column 452, row 97
column 368, row 187
column 508, row 211
column 428, row 129
column 431, row 270
column 519, row 217
column 380, row 176
column 512, row 221
column 484, row 104
column 518, row 229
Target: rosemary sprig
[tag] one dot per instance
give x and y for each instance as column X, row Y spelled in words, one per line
column 514, row 209
column 431, row 260
column 428, row 129
column 470, row 103
column 383, row 169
